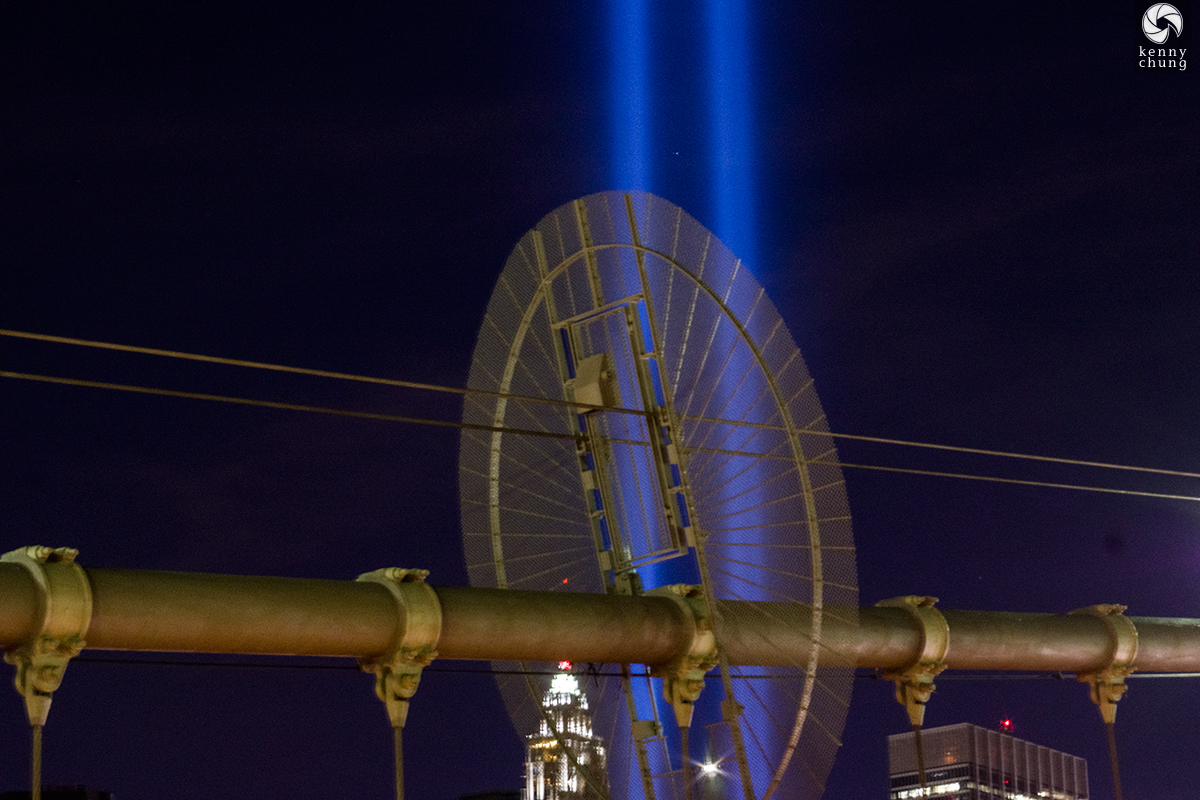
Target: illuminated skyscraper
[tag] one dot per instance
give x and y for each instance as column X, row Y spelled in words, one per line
column 966, row 762
column 551, row 771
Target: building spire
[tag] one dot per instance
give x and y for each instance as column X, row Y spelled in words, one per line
column 565, row 754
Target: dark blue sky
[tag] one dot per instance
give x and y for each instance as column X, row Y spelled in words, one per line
column 979, row 222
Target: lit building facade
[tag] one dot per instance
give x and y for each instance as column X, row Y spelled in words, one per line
column 550, row 773
column 966, row 762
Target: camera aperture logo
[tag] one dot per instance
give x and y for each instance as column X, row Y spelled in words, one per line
column 1162, row 21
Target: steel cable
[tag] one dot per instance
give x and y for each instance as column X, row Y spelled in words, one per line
column 574, row 437
column 35, row 767
column 1112, row 754
column 318, row 373
column 398, row 746
column 920, row 757
column 687, row 762
column 566, row 403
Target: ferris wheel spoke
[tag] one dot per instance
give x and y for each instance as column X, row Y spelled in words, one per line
column 801, row 672
column 711, row 472
column 724, row 447
column 758, row 507
column 536, row 379
column 772, row 451
column 764, row 393
column 798, row 576
column 827, row 612
column 526, row 467
column 821, row 457
column 758, row 745
column 787, row 574
column 668, row 306
column 523, row 489
column 832, row 736
column 733, row 426
column 543, row 554
column 718, row 318
column 691, row 315
column 560, row 569
column 524, row 535
column 789, row 472
column 719, row 470
column 690, row 394
column 719, row 383
column 524, row 512
column 787, row 524
column 531, row 463
column 737, row 447
column 741, row 579
column 765, row 708
column 733, row 393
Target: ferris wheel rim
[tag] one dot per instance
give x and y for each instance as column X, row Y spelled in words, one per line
column 541, row 296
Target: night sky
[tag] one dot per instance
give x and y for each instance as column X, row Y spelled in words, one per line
column 979, row 221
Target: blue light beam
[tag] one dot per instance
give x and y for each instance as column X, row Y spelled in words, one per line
column 630, row 95
column 731, row 110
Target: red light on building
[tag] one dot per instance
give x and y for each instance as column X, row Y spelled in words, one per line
column 1006, row 726
column 564, row 665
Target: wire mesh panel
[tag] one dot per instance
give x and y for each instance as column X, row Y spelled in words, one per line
column 697, row 454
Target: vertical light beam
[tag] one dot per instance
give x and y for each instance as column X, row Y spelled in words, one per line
column 630, row 95
column 731, row 104
column 732, row 176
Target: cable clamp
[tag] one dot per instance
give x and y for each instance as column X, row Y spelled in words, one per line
column 914, row 683
column 414, row 644
column 683, row 678
column 65, row 607
column 1107, row 685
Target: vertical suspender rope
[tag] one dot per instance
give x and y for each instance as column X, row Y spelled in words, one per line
column 1112, row 754
column 683, row 680
column 914, row 684
column 920, row 755
column 1107, row 685
column 65, row 604
column 687, row 763
column 398, row 742
column 35, row 781
column 398, row 671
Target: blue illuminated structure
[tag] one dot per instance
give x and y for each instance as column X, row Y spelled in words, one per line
column 702, row 458
column 729, row 105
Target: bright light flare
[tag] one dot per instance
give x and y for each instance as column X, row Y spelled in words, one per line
column 710, row 768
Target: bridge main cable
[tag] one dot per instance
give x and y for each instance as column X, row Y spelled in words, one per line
column 153, row 611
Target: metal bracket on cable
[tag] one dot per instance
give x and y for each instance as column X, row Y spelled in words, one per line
column 683, row 679
column 65, row 608
column 1107, row 685
column 65, row 605
column 914, row 683
column 418, row 628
